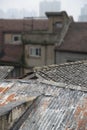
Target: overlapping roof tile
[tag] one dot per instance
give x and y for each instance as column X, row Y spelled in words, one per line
column 73, row 75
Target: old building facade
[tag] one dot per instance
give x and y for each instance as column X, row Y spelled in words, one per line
column 31, row 41
column 40, row 45
column 39, row 55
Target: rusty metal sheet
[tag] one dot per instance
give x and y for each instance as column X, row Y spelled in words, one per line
column 67, row 111
column 14, row 91
column 4, row 71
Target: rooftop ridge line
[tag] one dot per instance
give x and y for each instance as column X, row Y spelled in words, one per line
column 58, row 65
column 63, row 85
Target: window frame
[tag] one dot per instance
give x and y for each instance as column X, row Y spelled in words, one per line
column 35, row 51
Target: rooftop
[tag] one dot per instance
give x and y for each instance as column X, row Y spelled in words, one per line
column 75, row 39
column 65, row 111
column 16, row 92
column 4, row 71
column 59, row 98
column 62, row 13
column 69, row 74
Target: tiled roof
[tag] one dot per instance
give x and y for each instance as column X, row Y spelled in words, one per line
column 66, row 111
column 12, row 53
column 20, row 25
column 69, row 74
column 75, row 39
column 4, row 71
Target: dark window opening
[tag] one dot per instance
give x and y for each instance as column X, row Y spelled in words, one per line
column 16, row 38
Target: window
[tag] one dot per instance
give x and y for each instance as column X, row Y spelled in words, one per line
column 16, row 38
column 35, row 51
column 58, row 24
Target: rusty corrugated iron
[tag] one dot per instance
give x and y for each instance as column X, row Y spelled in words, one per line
column 55, row 108
column 18, row 91
column 66, row 111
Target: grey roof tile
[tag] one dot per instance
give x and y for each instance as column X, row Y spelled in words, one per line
column 74, row 73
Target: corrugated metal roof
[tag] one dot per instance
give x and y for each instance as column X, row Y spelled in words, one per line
column 15, row 92
column 55, row 108
column 59, row 98
column 65, row 111
column 4, row 71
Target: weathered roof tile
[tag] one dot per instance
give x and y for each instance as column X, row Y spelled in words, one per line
column 74, row 73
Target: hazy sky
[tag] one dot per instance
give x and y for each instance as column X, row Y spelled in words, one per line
column 71, row 6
